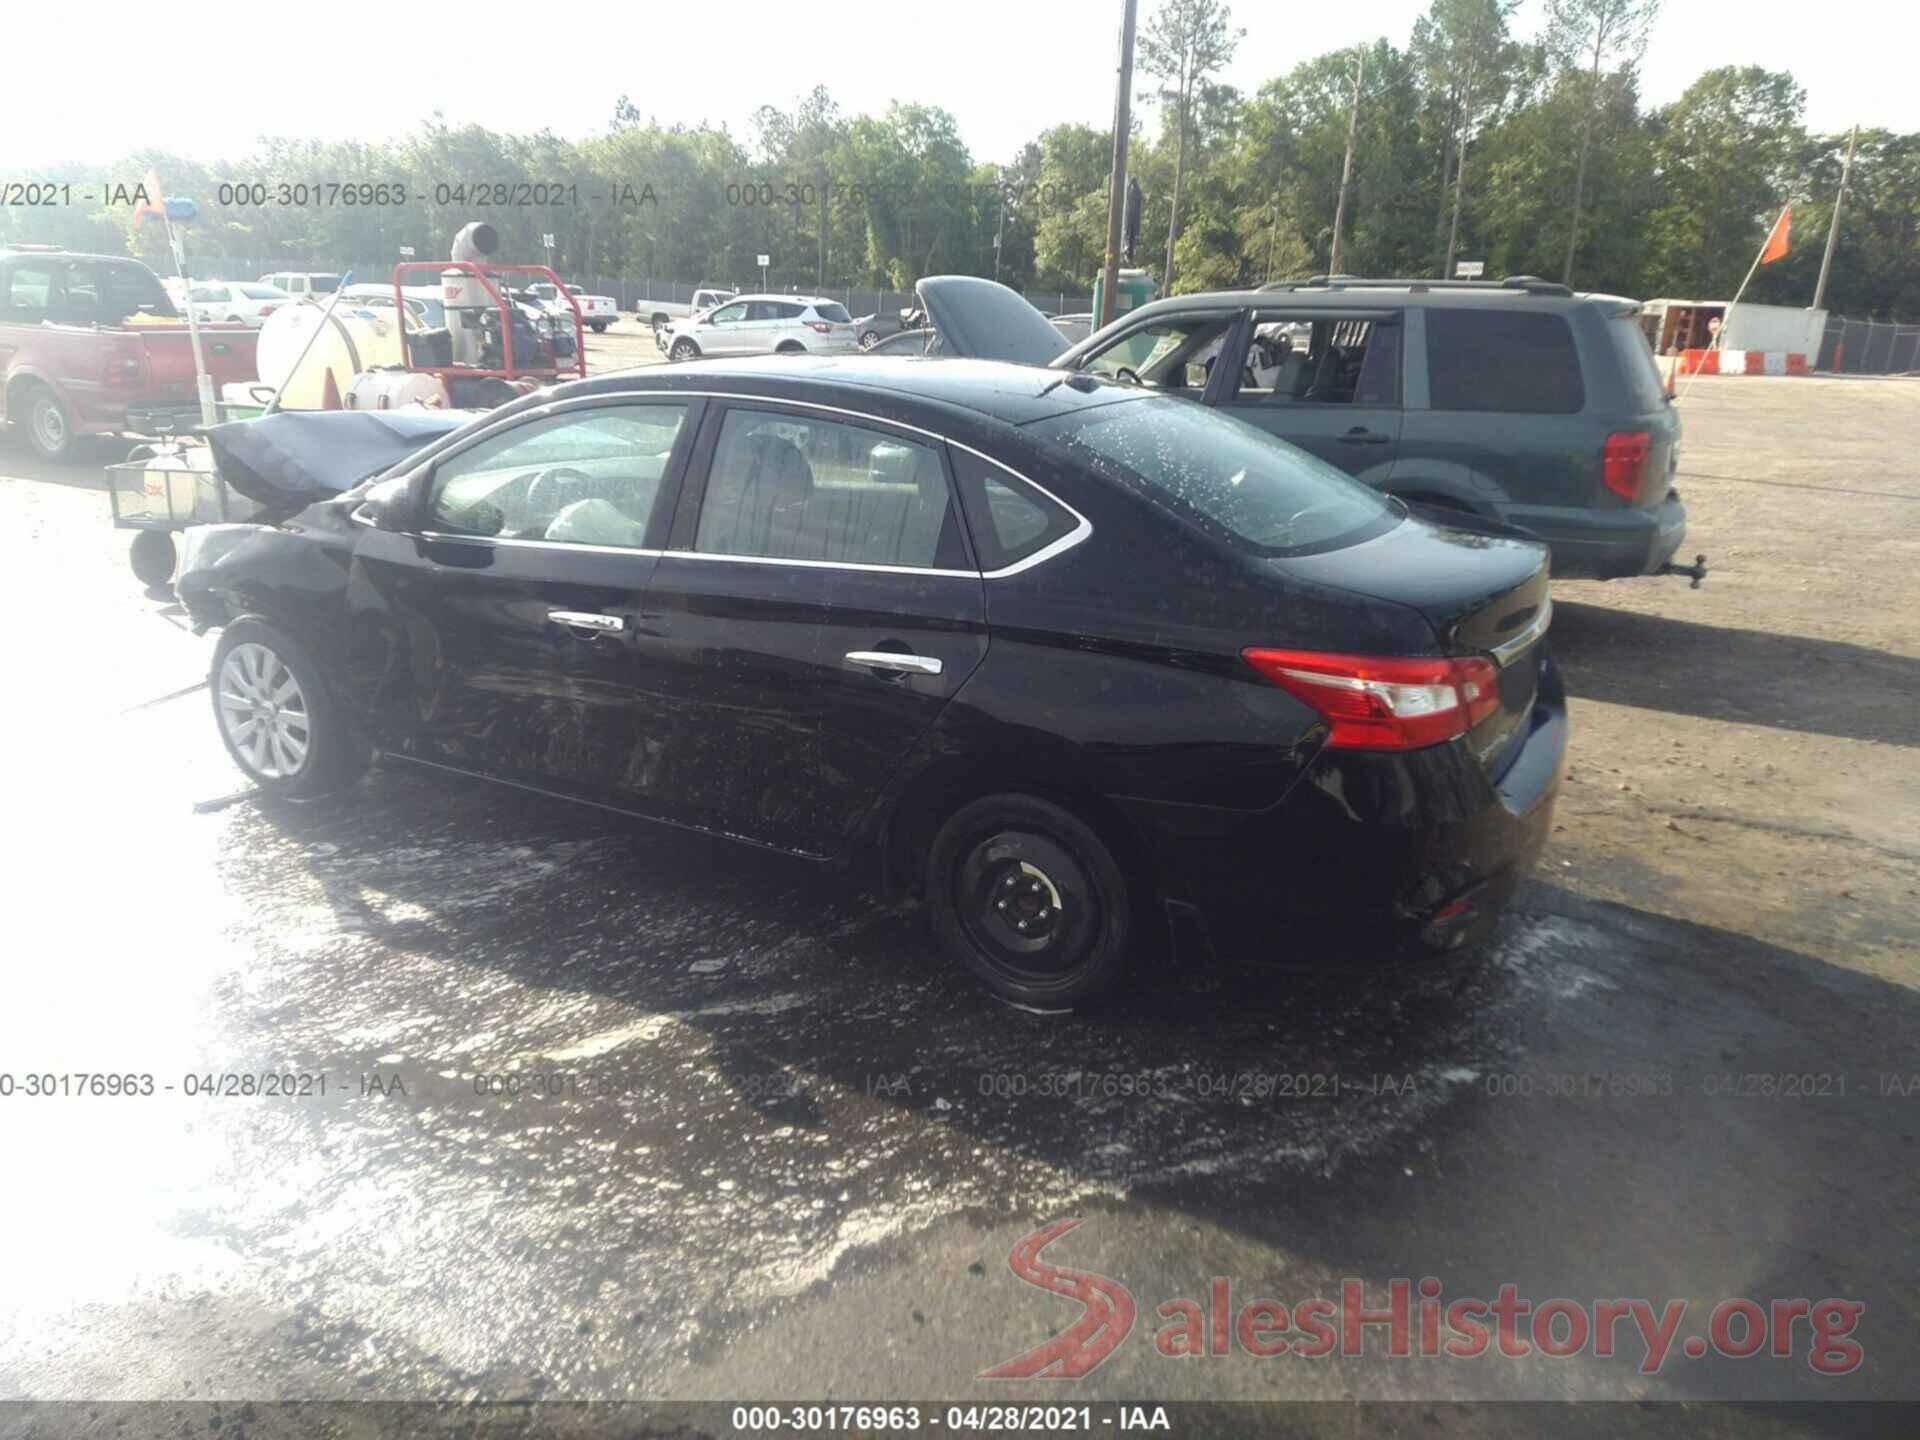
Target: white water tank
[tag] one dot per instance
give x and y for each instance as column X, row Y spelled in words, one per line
column 395, row 389
column 350, row 341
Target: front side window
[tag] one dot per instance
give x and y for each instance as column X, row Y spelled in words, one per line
column 1175, row 355
column 1509, row 360
column 1230, row 478
column 29, row 288
column 729, row 314
column 587, row 478
column 800, row 487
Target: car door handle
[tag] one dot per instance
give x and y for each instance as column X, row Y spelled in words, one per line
column 588, row 620
column 895, row 660
column 1362, row 436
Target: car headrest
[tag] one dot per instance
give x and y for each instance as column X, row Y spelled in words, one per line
column 779, row 469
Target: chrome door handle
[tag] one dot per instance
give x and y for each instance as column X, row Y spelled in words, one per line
column 588, row 620
column 894, row 660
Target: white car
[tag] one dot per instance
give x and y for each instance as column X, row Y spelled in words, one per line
column 230, row 302
column 302, row 283
column 426, row 303
column 596, row 311
column 764, row 325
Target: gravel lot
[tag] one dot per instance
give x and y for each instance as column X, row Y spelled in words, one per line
column 808, row 1149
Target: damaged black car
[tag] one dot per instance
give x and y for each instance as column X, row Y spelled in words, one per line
column 1074, row 661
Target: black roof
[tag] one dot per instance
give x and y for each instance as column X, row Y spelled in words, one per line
column 1013, row 394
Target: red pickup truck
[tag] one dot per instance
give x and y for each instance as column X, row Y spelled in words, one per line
column 91, row 344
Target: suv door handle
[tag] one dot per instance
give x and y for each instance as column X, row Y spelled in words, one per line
column 895, row 660
column 588, row 620
column 1360, row 435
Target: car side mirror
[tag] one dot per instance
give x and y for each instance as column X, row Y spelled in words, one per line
column 395, row 505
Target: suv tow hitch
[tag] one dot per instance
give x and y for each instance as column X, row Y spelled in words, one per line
column 1698, row 570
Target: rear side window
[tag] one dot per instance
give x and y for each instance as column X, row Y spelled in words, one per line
column 1010, row 521
column 802, row 487
column 1638, row 371
column 1226, row 476
column 833, row 311
column 1509, row 360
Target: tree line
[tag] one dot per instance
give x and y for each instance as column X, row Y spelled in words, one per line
column 1534, row 154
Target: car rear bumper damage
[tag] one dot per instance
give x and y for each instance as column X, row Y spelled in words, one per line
column 1592, row 544
column 1371, row 855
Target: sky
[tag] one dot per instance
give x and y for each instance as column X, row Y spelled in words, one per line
column 1005, row 68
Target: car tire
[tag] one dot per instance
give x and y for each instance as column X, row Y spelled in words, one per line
column 684, row 349
column 252, row 666
column 788, row 347
column 1028, row 897
column 48, row 424
column 599, row 327
column 152, row 557
column 869, row 339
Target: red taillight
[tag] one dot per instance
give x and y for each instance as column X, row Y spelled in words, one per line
column 1624, row 462
column 819, row 327
column 1382, row 702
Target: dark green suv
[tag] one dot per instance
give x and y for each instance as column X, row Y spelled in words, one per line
column 1517, row 400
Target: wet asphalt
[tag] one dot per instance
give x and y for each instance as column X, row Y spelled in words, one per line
column 586, row 1109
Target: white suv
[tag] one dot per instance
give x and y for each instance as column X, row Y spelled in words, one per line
column 764, row 325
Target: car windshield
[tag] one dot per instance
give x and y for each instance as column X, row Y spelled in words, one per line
column 1232, row 479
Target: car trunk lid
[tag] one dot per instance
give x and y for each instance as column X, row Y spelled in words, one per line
column 984, row 320
column 1483, row 593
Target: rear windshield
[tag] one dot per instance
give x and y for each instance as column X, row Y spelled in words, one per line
column 324, row 284
column 834, row 312
column 1638, row 369
column 1232, row 479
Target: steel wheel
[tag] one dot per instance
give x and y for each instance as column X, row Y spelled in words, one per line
column 1024, row 902
column 1028, row 896
column 47, row 424
column 264, row 712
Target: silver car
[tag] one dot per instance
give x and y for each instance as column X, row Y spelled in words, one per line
column 764, row 325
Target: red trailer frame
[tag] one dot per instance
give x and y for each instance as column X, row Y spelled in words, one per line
column 484, row 272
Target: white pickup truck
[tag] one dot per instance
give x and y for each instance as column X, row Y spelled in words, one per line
column 598, row 311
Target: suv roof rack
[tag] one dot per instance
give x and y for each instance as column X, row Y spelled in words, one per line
column 1531, row 284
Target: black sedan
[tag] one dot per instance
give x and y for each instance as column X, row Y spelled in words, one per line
column 1066, row 658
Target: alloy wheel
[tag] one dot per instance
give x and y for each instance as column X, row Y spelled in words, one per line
column 264, row 712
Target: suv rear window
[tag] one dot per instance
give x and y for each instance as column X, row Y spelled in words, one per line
column 834, row 311
column 1638, row 370
column 1509, row 360
column 1229, row 477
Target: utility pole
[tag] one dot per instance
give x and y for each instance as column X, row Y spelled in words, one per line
column 1000, row 230
column 1117, row 186
column 1346, row 168
column 1833, row 230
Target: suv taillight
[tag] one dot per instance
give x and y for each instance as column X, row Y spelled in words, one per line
column 819, row 327
column 1382, row 702
column 1624, row 462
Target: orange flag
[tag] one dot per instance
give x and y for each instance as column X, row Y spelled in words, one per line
column 1777, row 241
column 156, row 205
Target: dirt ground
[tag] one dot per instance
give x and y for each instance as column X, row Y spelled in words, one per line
column 1744, row 754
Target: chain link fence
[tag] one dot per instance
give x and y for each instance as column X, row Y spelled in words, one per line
column 632, row 296
column 1869, row 347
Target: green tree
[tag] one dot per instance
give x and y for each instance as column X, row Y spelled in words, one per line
column 1184, row 43
column 1595, row 33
